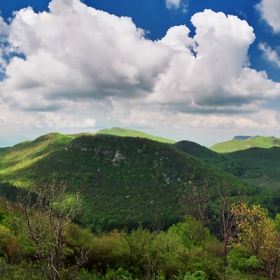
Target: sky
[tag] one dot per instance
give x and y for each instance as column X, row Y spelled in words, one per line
column 203, row 71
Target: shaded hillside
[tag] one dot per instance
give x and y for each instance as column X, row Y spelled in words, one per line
column 116, row 131
column 258, row 166
column 222, row 161
column 261, row 166
column 122, row 180
column 253, row 142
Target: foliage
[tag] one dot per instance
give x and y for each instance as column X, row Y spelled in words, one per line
column 23, row 271
column 189, row 232
column 197, row 275
column 257, row 235
column 121, row 181
column 258, row 166
column 43, row 221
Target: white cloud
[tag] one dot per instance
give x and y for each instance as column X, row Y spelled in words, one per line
column 270, row 54
column 211, row 70
column 173, row 4
column 270, row 10
column 205, row 129
column 75, row 51
column 80, row 67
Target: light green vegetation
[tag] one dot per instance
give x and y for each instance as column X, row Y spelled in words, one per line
column 27, row 153
column 253, row 142
column 116, row 131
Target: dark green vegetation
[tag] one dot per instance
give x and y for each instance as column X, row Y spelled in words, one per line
column 38, row 241
column 258, row 166
column 245, row 143
column 116, row 131
column 122, row 181
column 131, row 218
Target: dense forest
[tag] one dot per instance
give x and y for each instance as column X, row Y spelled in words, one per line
column 109, row 207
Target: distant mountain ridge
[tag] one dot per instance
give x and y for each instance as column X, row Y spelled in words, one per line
column 241, row 137
column 246, row 142
column 117, row 131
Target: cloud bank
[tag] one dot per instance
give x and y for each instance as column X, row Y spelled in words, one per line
column 75, row 66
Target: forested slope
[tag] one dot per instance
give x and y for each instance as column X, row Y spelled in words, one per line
column 122, row 180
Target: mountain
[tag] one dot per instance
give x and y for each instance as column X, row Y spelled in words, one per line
column 121, row 180
column 258, row 166
column 116, row 131
column 241, row 137
column 244, row 144
column 221, row 161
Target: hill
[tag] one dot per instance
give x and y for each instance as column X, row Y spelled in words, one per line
column 116, row 131
column 241, row 137
column 122, row 180
column 259, row 166
column 221, row 161
column 252, row 142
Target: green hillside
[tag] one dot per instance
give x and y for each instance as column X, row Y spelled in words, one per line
column 222, row 161
column 116, row 131
column 129, row 190
column 259, row 166
column 122, row 180
column 252, row 142
column 27, row 153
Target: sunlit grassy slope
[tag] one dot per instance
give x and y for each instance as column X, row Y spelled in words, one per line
column 26, row 153
column 253, row 142
column 133, row 133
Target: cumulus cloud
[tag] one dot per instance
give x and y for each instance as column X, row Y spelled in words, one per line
column 270, row 10
column 75, row 51
column 270, row 54
column 78, row 66
column 211, row 70
column 172, row 4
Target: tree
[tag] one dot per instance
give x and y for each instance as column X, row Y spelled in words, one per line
column 46, row 212
column 144, row 251
column 188, row 232
column 257, row 234
column 195, row 201
column 224, row 215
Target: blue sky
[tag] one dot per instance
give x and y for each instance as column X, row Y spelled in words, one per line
column 199, row 70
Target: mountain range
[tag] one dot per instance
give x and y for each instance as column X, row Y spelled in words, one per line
column 124, row 177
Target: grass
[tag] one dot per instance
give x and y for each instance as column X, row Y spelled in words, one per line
column 253, row 142
column 116, row 131
column 27, row 153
